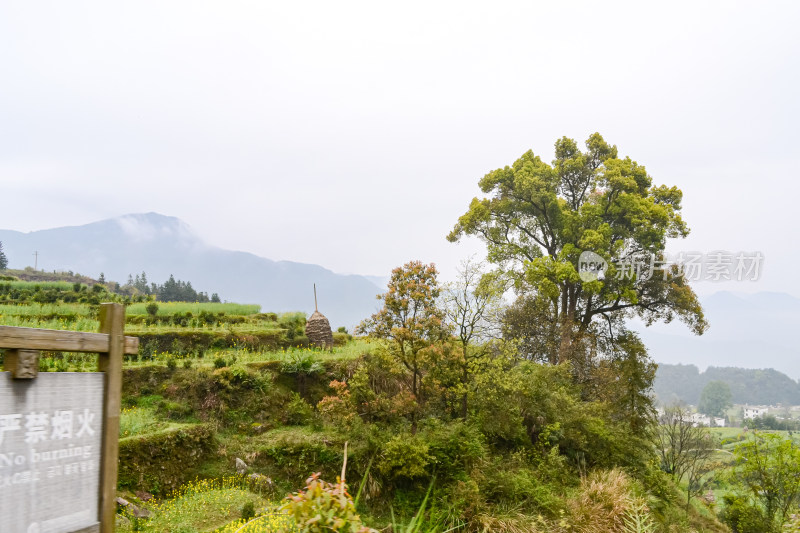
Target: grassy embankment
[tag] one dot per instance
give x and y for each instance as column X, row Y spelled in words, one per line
column 207, row 389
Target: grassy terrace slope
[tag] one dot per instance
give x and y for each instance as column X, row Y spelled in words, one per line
column 214, row 384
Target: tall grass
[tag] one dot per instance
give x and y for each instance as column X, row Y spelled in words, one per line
column 138, row 420
column 170, row 308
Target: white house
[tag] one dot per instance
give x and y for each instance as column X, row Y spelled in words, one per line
column 704, row 420
column 754, row 412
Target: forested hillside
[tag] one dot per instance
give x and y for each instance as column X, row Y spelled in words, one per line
column 755, row 387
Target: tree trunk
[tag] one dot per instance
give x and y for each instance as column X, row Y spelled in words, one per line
column 465, row 382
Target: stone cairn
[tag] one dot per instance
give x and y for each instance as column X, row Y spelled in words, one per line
column 318, row 329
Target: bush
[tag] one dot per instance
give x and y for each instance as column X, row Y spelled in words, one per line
column 298, row 412
column 324, row 507
column 248, row 511
column 511, row 481
column 405, row 457
column 454, row 447
column 744, row 516
column 293, row 451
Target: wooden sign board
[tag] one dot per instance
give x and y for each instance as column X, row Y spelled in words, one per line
column 50, row 439
column 59, row 432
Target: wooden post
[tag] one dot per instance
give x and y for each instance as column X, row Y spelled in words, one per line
column 112, row 322
column 23, row 364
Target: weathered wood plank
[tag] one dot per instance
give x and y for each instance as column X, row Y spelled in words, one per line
column 112, row 324
column 61, row 341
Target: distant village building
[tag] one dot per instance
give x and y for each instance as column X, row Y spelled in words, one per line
column 705, row 420
column 754, row 412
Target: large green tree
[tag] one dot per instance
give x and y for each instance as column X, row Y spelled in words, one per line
column 715, row 399
column 538, row 218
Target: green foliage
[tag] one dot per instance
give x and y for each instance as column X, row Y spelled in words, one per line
column 747, row 385
column 472, row 307
column 716, row 399
column 453, row 448
column 410, row 321
column 152, row 309
column 539, row 218
column 682, row 447
column 157, row 462
column 745, row 516
column 322, row 507
column 52, row 292
column 405, row 458
column 297, row 412
column 196, row 308
column 293, row 451
column 248, row 510
column 768, row 469
column 294, row 324
column 301, row 363
column 203, row 505
column 139, row 420
column 772, row 423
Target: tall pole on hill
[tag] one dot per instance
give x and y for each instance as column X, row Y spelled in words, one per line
column 36, row 260
column 316, row 308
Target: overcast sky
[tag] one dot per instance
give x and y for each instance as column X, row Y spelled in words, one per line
column 353, row 135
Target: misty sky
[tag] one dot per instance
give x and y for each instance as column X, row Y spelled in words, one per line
column 353, row 134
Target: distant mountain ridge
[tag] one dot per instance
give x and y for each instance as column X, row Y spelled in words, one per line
column 685, row 383
column 162, row 245
column 757, row 330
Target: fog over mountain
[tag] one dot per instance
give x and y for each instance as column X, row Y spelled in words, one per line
column 747, row 330
column 161, row 245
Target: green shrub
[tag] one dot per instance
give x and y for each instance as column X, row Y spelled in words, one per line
column 511, row 481
column 323, row 507
column 298, row 412
column 454, row 447
column 405, row 457
column 248, row 511
column 295, row 451
column 220, row 362
column 744, row 516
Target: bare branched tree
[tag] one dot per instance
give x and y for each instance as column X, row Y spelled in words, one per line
column 684, row 449
column 473, row 308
